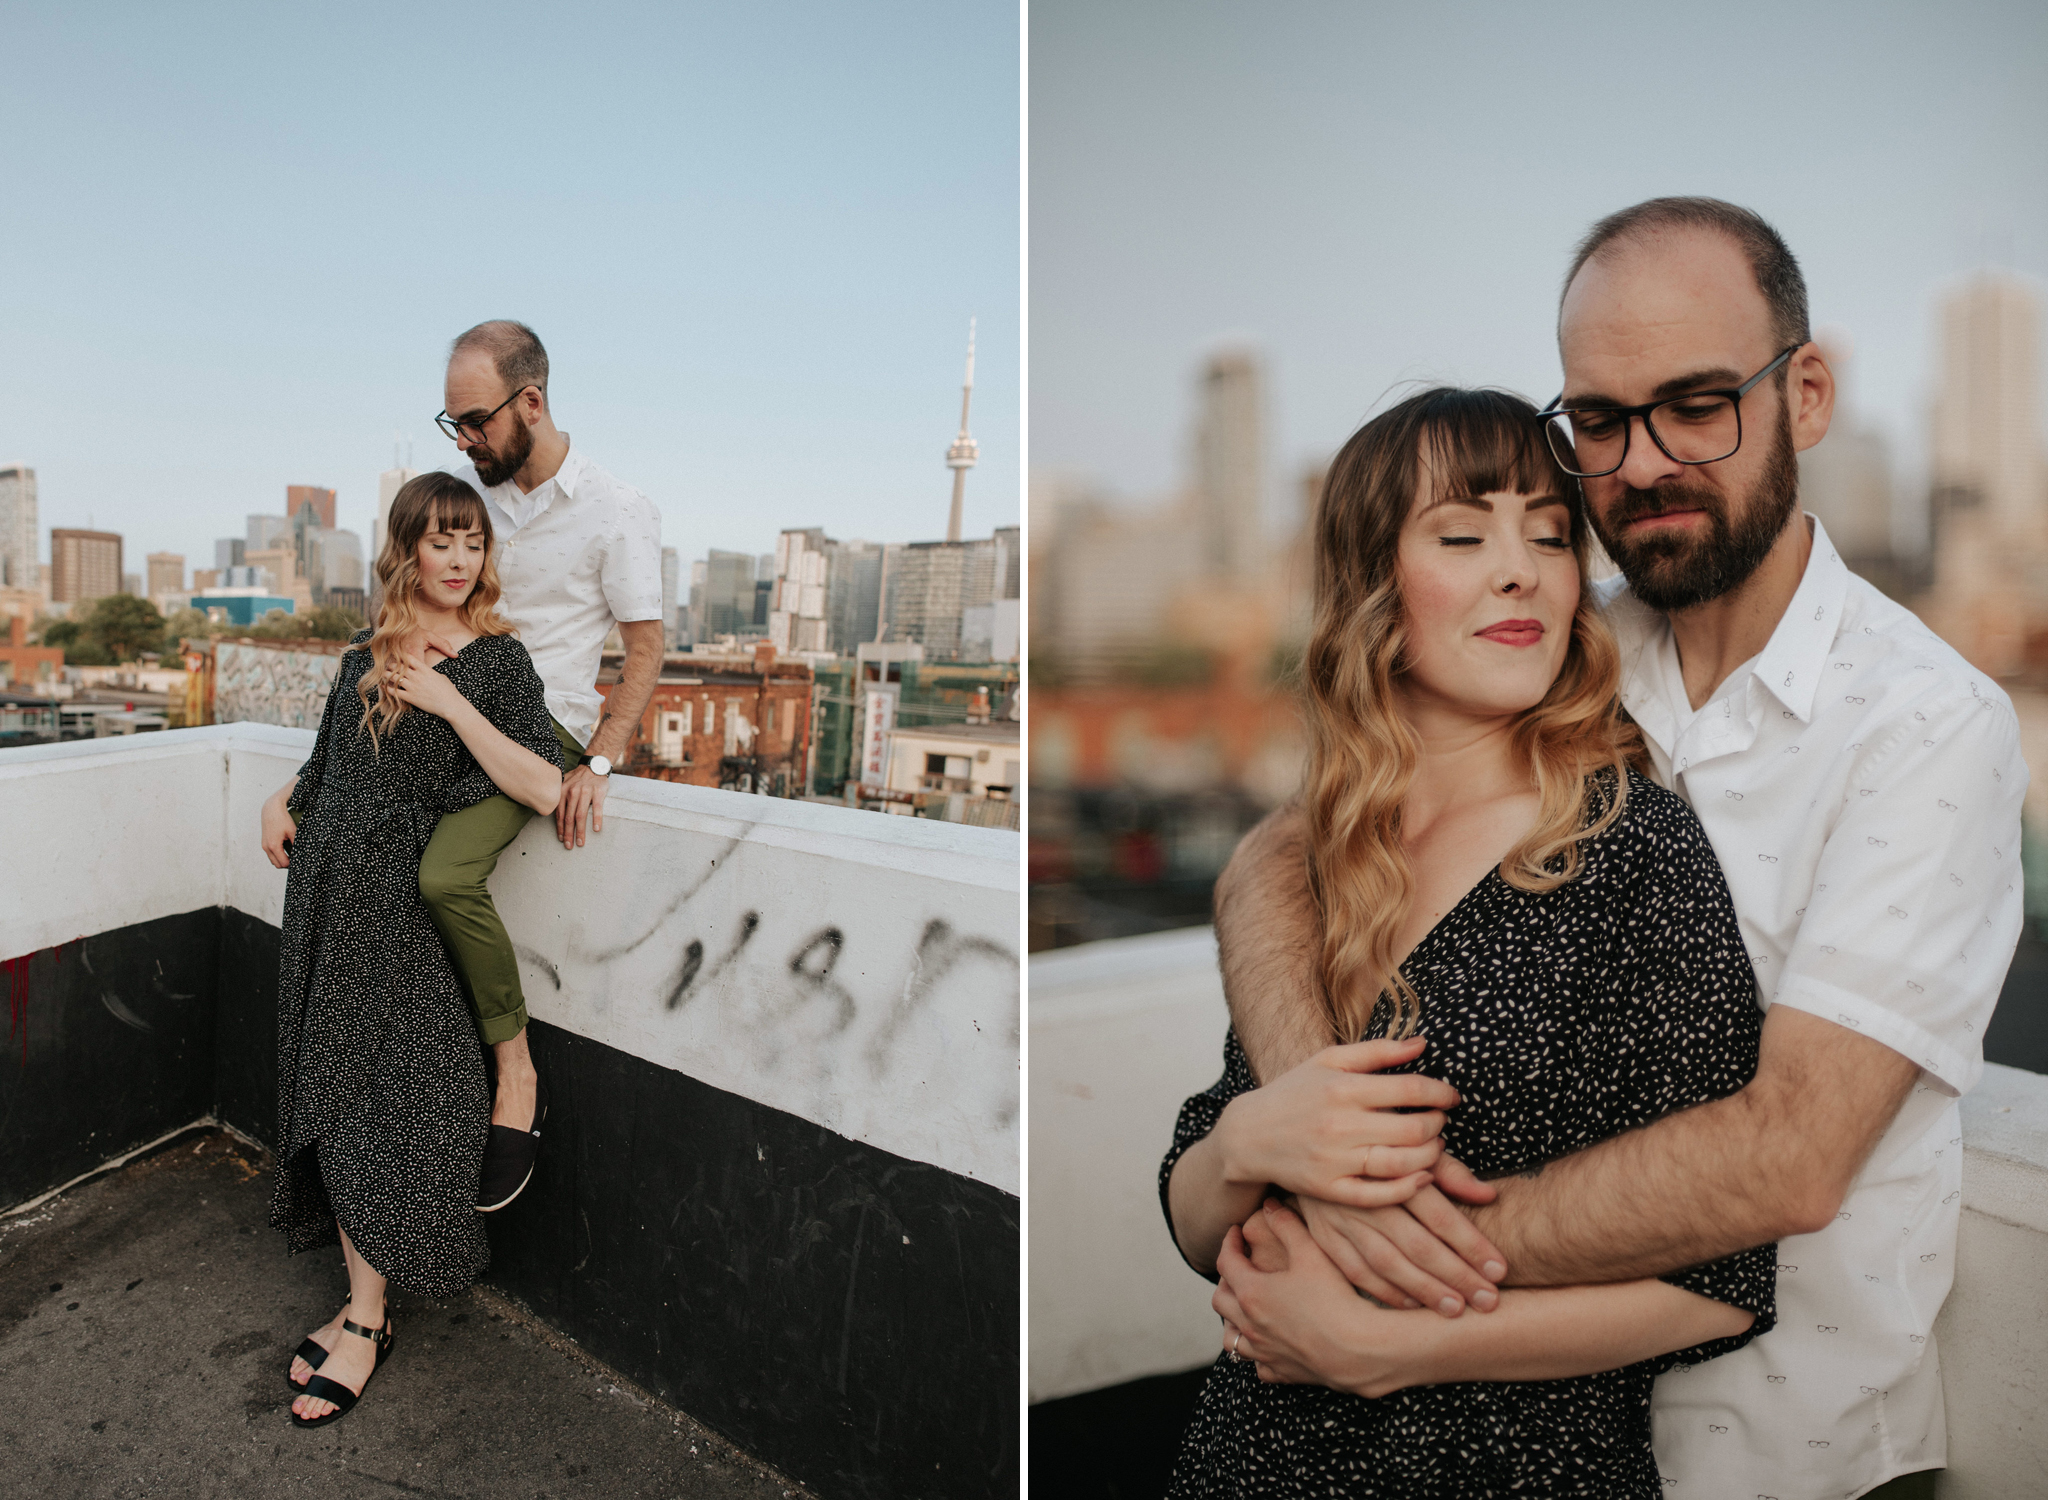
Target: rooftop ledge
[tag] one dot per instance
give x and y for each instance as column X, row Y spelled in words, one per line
column 781, row 1183
column 1123, row 1031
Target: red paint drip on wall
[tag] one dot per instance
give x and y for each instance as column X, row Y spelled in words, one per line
column 16, row 970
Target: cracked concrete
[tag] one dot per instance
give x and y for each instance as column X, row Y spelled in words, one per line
column 147, row 1317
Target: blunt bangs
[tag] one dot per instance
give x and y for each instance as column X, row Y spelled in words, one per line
column 1482, row 442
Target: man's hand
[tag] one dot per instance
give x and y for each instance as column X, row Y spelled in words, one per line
column 1329, row 1128
column 1285, row 1306
column 581, row 810
column 1421, row 1253
column 278, row 828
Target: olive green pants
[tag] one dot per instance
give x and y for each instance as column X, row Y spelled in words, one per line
column 454, row 881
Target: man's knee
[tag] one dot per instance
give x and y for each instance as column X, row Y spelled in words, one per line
column 444, row 886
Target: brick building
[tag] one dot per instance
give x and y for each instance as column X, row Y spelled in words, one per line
column 24, row 667
column 742, row 722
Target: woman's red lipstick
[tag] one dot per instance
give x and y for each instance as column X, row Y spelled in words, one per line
column 1515, row 632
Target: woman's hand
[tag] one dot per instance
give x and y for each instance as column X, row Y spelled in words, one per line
column 1287, row 1307
column 1328, row 1129
column 278, row 828
column 417, row 685
column 1420, row 1253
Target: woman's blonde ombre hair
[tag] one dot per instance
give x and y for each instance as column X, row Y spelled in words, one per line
column 1363, row 752
column 423, row 505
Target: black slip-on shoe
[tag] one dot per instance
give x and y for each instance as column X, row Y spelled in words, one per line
column 509, row 1156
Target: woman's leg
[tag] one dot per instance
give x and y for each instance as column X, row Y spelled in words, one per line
column 350, row 1360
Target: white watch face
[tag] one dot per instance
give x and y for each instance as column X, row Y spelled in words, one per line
column 600, row 766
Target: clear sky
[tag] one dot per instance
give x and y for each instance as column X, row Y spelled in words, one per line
column 238, row 238
column 1375, row 193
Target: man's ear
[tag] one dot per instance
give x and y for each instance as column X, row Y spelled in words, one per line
column 1810, row 395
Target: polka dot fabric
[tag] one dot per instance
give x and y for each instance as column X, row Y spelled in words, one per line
column 382, row 1105
column 1562, row 1019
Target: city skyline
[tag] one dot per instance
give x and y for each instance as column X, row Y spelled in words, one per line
column 777, row 229
column 1369, row 197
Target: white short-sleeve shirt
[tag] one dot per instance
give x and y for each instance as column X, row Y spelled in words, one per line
column 1861, row 784
column 579, row 552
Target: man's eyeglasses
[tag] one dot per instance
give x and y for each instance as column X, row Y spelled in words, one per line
column 472, row 428
column 1700, row 427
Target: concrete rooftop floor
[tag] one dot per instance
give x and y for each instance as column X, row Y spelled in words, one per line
column 147, row 1317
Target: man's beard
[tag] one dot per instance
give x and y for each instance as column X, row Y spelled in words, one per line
column 494, row 468
column 1669, row 569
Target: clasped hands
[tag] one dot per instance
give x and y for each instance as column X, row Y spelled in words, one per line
column 1361, row 1151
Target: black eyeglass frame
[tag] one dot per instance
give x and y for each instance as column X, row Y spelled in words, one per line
column 1628, row 414
column 455, row 426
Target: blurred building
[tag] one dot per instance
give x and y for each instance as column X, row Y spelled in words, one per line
column 19, row 533
column 228, row 552
column 300, row 496
column 853, row 595
column 389, row 483
column 798, row 617
column 265, row 532
column 1164, row 638
column 1989, row 477
column 1846, row 480
column 84, row 564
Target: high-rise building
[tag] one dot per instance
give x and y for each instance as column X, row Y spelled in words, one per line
column 166, row 573
column 1989, row 474
column 853, row 595
column 389, row 483
column 965, row 451
column 671, row 570
column 297, row 496
column 18, row 528
column 265, row 532
column 932, row 584
column 728, row 593
column 694, row 611
column 797, row 608
column 228, row 553
column 1229, row 468
column 1846, row 480
column 84, row 564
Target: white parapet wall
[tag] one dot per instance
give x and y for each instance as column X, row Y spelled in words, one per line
column 858, row 971
column 1122, row 1032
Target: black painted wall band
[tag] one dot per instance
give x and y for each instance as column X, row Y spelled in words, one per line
column 848, row 1315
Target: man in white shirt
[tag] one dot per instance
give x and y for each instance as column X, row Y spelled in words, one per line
column 577, row 553
column 1861, row 785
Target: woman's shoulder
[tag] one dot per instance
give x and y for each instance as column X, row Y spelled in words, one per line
column 1655, row 824
column 361, row 637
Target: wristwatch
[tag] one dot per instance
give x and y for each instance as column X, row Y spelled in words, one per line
column 599, row 765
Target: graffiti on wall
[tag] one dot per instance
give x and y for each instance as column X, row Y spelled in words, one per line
column 881, row 1001
column 263, row 683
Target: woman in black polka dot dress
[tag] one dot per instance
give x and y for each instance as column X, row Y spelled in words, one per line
column 383, row 1105
column 1528, row 948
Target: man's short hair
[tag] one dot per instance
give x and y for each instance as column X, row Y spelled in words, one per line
column 1770, row 259
column 515, row 351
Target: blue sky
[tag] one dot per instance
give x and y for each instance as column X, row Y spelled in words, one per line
column 239, row 237
column 1375, row 193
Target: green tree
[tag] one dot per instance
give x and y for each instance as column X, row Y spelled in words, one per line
column 126, row 626
column 187, row 623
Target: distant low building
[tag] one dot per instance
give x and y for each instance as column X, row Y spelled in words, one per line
column 24, row 667
column 240, row 606
column 741, row 721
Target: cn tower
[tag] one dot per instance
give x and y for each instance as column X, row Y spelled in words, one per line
column 961, row 456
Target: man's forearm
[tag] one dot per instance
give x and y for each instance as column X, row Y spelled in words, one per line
column 1774, row 1160
column 1267, row 938
column 627, row 700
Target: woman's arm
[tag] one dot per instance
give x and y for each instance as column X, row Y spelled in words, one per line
column 1304, row 1324
column 520, row 774
column 1327, row 1128
column 279, row 827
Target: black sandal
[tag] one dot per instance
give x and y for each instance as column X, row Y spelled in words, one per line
column 320, row 1388
column 311, row 1353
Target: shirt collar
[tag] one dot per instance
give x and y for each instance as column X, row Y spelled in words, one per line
column 1789, row 666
